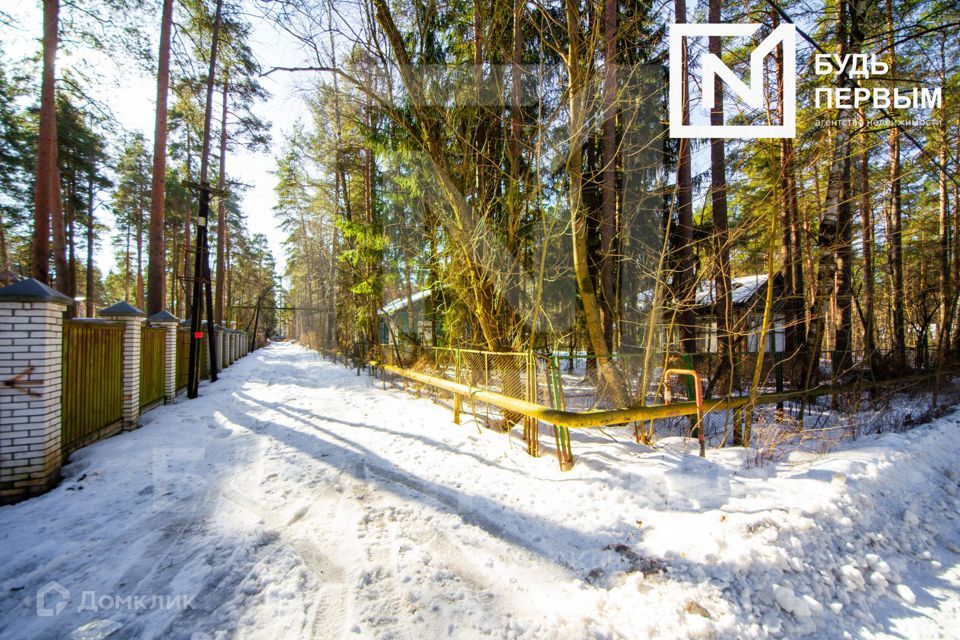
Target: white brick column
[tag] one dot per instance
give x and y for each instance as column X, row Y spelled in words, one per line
column 132, row 318
column 170, row 323
column 219, row 337
column 31, row 338
column 206, row 347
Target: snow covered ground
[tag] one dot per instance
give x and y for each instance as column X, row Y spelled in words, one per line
column 297, row 500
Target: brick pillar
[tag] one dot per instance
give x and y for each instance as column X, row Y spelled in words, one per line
column 218, row 331
column 132, row 318
column 206, row 347
column 31, row 338
column 170, row 323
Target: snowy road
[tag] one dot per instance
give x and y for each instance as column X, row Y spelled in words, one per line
column 297, row 500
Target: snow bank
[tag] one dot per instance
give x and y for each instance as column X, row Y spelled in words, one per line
column 295, row 499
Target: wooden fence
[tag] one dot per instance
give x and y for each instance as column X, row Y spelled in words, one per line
column 183, row 357
column 152, row 352
column 92, row 376
column 92, row 394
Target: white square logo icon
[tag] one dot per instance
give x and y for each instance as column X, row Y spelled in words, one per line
column 712, row 69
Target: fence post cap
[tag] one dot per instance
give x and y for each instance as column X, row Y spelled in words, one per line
column 163, row 316
column 30, row 290
column 122, row 309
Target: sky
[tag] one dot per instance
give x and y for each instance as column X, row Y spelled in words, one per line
column 131, row 95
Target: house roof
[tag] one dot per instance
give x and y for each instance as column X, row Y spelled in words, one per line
column 742, row 291
column 401, row 303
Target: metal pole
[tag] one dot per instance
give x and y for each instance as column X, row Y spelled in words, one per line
column 211, row 336
column 193, row 373
column 193, row 379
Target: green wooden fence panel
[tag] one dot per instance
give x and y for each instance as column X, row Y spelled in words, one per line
column 183, row 357
column 152, row 361
column 92, row 393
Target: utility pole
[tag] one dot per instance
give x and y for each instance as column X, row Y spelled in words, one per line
column 201, row 269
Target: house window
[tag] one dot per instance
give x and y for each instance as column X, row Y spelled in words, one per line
column 707, row 335
column 776, row 334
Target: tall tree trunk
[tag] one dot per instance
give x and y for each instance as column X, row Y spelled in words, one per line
column 71, row 216
column 373, row 270
column 834, row 231
column 90, row 290
column 188, row 218
column 157, row 269
column 723, row 308
column 4, row 253
column 955, row 347
column 332, row 337
column 222, row 205
column 843, row 283
column 608, row 211
column 682, row 251
column 794, row 300
column 139, row 290
column 228, row 297
column 944, row 322
column 47, row 203
column 612, row 376
column 515, row 200
column 955, row 265
column 894, row 221
column 494, row 317
column 126, row 266
column 866, row 219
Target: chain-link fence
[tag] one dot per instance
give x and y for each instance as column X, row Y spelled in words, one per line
column 576, row 382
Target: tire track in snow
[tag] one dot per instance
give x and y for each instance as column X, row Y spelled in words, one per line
column 378, row 581
column 485, row 583
column 332, row 599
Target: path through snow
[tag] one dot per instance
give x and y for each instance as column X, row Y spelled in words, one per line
column 297, row 500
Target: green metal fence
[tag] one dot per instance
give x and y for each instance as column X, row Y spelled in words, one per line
column 152, row 354
column 92, row 394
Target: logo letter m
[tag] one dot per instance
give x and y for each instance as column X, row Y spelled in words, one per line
column 712, row 70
